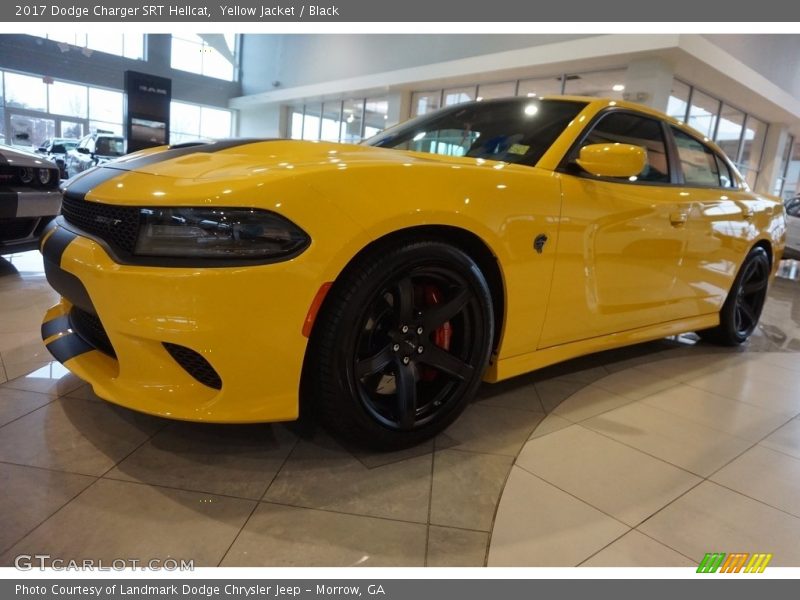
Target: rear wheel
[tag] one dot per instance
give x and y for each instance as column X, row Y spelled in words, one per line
column 401, row 344
column 742, row 309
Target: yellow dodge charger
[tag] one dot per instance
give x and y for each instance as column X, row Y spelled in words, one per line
column 379, row 284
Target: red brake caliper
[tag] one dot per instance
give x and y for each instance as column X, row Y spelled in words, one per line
column 442, row 335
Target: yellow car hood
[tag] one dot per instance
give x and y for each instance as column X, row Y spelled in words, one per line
column 254, row 158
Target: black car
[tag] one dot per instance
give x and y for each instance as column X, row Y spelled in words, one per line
column 55, row 149
column 92, row 150
column 29, row 198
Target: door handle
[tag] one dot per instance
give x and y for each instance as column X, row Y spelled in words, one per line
column 677, row 219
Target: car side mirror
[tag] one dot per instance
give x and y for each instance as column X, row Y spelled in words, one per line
column 612, row 159
column 83, row 150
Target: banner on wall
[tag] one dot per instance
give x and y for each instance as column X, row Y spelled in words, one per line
column 146, row 116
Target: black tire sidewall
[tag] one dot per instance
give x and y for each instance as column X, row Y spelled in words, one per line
column 727, row 318
column 353, row 294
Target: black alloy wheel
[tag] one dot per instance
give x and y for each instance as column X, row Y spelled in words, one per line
column 404, row 340
column 742, row 309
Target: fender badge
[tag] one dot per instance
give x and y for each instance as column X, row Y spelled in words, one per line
column 539, row 243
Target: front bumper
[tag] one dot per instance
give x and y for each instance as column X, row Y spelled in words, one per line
column 245, row 323
column 24, row 212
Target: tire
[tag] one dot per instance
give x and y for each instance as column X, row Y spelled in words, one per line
column 742, row 309
column 401, row 344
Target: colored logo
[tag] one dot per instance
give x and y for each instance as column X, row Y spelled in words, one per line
column 738, row 562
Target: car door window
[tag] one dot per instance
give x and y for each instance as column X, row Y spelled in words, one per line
column 726, row 178
column 699, row 163
column 626, row 128
column 793, row 207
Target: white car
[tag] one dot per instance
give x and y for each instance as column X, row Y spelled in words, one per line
column 792, row 229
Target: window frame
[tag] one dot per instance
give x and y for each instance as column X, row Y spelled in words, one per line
column 737, row 179
column 568, row 165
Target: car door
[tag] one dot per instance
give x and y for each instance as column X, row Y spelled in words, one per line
column 621, row 240
column 717, row 224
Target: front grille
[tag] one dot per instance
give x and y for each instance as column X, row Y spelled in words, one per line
column 117, row 225
column 89, row 327
column 194, row 364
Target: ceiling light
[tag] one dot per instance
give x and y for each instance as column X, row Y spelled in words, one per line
column 618, row 87
column 531, row 94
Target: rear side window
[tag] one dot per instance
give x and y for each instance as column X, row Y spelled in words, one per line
column 638, row 131
column 700, row 164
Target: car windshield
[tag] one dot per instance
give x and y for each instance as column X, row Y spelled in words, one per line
column 515, row 130
column 109, row 146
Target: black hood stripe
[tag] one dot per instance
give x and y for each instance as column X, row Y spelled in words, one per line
column 182, row 150
column 85, row 183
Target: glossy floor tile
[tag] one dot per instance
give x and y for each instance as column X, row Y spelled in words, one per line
column 539, row 525
column 288, row 536
column 711, row 518
column 649, row 455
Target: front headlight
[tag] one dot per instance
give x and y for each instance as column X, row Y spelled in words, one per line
column 240, row 233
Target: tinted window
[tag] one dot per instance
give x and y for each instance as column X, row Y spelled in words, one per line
column 793, row 207
column 630, row 129
column 699, row 163
column 725, row 176
column 515, row 131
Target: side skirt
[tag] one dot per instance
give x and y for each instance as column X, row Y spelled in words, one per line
column 524, row 363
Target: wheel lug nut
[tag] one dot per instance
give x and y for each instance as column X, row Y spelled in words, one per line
column 396, row 347
column 420, row 349
column 406, row 360
column 419, row 330
column 404, row 329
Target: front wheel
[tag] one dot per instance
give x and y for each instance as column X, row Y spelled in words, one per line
column 742, row 309
column 402, row 343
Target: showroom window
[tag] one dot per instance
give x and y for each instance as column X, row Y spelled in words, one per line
column 129, row 45
column 191, row 122
column 786, row 185
column 678, row 102
column 35, row 108
column 348, row 121
column 209, row 54
column 607, row 84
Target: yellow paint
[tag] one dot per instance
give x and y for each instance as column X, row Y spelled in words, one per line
column 620, row 266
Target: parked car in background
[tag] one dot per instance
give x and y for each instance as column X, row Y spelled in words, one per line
column 793, row 228
column 55, row 149
column 92, row 150
column 29, row 198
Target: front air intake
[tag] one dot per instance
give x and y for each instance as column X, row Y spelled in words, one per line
column 195, row 365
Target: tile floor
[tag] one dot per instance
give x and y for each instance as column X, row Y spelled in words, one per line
column 645, row 456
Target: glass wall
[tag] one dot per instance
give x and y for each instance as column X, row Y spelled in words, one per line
column 190, row 122
column 129, row 45
column 35, row 108
column 606, row 84
column 787, row 184
column 209, row 54
column 32, row 111
column 347, row 121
